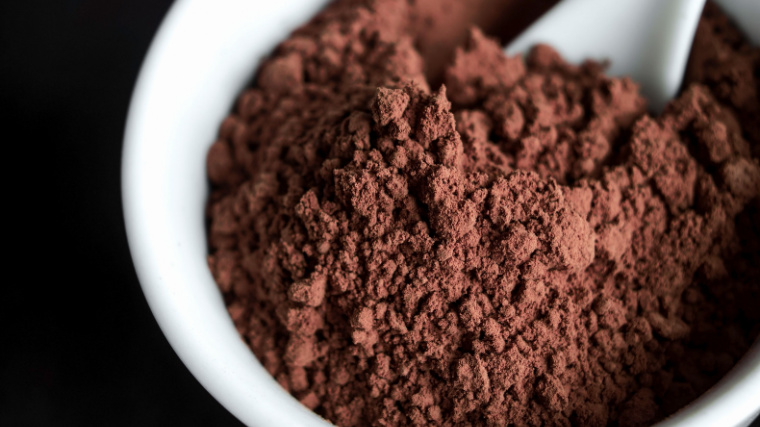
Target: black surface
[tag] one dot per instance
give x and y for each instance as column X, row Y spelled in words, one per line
column 81, row 346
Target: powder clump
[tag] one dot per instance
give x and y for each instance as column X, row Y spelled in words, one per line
column 522, row 244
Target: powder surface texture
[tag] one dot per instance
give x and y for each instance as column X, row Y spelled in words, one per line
column 520, row 245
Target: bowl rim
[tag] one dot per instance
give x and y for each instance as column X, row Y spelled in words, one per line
column 729, row 402
column 206, row 341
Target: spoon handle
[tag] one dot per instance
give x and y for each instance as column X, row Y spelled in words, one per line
column 648, row 40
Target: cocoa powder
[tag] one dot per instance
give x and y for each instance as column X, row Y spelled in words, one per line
column 522, row 245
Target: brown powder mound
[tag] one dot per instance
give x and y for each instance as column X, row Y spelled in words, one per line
column 722, row 59
column 521, row 246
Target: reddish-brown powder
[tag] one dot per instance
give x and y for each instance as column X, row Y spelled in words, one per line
column 523, row 245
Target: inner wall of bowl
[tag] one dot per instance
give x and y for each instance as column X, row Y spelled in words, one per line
column 201, row 59
column 746, row 14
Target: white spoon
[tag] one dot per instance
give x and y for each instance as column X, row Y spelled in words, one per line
column 648, row 40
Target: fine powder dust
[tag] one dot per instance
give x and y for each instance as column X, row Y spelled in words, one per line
column 521, row 245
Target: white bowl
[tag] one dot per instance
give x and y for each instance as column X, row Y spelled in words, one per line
column 203, row 55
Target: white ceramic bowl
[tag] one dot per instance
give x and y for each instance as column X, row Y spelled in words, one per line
column 201, row 58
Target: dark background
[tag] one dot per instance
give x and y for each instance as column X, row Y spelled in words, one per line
column 81, row 346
